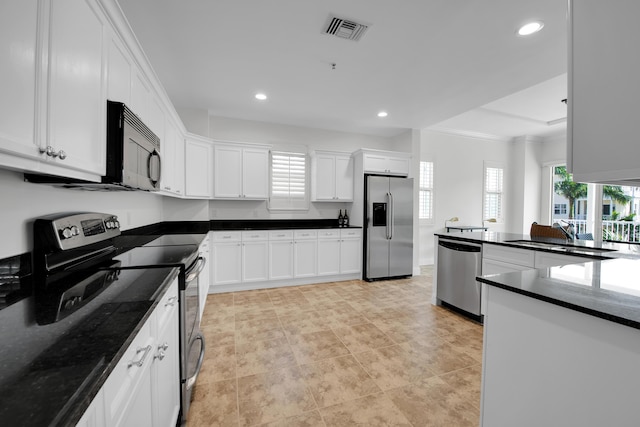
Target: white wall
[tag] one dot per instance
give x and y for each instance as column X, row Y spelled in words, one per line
column 22, row 202
column 282, row 136
column 458, row 180
column 553, row 151
column 526, row 183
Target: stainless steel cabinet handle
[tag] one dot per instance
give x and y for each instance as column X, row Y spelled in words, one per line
column 163, row 346
column 140, row 362
column 62, row 155
column 49, row 151
column 171, row 301
column 160, row 355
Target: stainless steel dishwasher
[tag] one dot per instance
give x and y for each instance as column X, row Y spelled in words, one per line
column 459, row 263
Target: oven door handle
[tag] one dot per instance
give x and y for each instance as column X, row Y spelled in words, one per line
column 195, row 270
column 192, row 379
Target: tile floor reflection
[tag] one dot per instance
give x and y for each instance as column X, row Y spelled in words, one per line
column 338, row 354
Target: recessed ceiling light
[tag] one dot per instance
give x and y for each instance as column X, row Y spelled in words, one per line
column 530, row 28
column 382, row 114
column 261, row 96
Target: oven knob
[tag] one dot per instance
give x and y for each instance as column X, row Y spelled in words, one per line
column 67, row 233
column 74, row 230
column 108, row 224
column 117, row 223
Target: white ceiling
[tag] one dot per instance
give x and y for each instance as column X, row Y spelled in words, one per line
column 426, row 62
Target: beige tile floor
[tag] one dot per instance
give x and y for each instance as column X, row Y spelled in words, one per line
column 338, row 354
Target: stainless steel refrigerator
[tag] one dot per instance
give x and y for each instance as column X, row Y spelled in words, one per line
column 389, row 227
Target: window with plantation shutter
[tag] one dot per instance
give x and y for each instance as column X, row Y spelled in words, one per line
column 288, row 181
column 426, row 190
column 493, row 192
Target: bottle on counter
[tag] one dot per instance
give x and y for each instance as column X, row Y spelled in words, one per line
column 345, row 219
column 340, row 219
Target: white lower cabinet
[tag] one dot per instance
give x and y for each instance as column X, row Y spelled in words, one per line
column 350, row 252
column 226, row 258
column 281, row 255
column 94, row 415
column 144, row 387
column 546, row 259
column 255, row 256
column 305, row 253
column 328, row 252
column 270, row 258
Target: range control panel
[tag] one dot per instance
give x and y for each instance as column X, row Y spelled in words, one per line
column 77, row 230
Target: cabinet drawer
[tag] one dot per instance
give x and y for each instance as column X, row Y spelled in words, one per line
column 123, row 381
column 524, row 257
column 350, row 232
column 281, row 235
column 254, row 235
column 305, row 234
column 227, row 236
column 329, row 234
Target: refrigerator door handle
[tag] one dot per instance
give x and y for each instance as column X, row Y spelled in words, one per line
column 392, row 208
column 389, row 230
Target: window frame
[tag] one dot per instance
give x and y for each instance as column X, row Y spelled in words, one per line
column 430, row 190
column 279, row 203
column 501, row 216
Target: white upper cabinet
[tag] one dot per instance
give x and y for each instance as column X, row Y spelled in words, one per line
column 331, row 177
column 386, row 162
column 173, row 159
column 76, row 107
column 198, row 167
column 18, row 21
column 603, row 108
column 118, row 71
column 241, row 172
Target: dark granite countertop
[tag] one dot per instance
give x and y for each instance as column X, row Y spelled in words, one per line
column 581, row 248
column 608, row 289
column 51, row 373
column 274, row 224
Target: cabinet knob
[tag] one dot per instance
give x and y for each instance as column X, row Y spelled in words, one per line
column 62, row 155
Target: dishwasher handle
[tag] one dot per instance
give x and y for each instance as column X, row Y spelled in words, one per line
column 460, row 247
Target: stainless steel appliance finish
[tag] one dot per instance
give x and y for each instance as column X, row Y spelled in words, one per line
column 192, row 343
column 459, row 263
column 389, row 222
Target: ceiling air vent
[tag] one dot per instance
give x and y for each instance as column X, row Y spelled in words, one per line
column 345, row 29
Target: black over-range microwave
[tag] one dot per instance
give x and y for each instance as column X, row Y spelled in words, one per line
column 133, row 156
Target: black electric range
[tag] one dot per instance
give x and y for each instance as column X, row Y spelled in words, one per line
column 90, row 298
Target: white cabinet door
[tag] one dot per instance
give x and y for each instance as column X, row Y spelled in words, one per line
column 156, row 119
column 76, row 92
column 227, row 263
column 350, row 260
column 324, row 177
column 387, row 164
column 344, row 178
column 140, row 407
column 228, row 172
column 140, row 95
column 305, row 258
column 255, row 261
column 172, row 148
column 603, row 92
column 280, row 259
column 118, row 71
column 18, row 19
column 491, row 266
column 165, row 379
column 328, row 256
column 375, row 163
column 94, row 415
column 255, row 173
column 198, row 168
